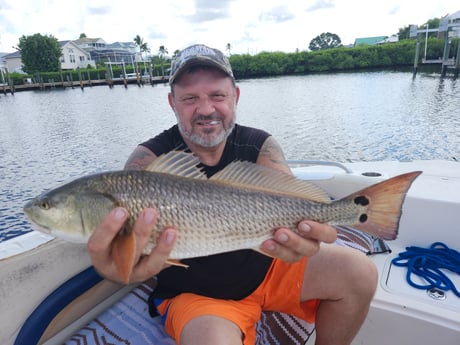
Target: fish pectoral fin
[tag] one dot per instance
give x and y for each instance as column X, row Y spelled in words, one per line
column 175, row 262
column 123, row 253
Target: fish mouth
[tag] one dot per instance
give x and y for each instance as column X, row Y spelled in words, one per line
column 42, row 229
column 29, row 212
column 28, row 207
column 36, row 226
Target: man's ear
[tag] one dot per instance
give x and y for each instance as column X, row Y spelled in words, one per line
column 171, row 101
column 237, row 94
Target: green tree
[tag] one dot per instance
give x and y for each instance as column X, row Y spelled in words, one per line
column 162, row 53
column 143, row 47
column 40, row 53
column 326, row 40
column 432, row 24
column 82, row 35
column 403, row 33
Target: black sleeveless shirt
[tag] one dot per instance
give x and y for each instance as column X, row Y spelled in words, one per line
column 232, row 275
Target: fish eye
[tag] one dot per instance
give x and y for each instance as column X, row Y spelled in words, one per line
column 44, row 204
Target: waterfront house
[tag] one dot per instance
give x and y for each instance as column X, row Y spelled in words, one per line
column 117, row 52
column 13, row 62
column 101, row 52
column 90, row 44
column 369, row 40
column 72, row 57
column 391, row 39
column 455, row 19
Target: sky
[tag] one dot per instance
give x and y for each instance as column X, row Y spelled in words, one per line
column 249, row 26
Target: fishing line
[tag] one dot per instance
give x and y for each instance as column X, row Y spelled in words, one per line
column 428, row 263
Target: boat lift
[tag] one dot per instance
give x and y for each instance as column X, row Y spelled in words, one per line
column 447, row 27
column 126, row 77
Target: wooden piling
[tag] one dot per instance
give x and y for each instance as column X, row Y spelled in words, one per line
column 417, row 56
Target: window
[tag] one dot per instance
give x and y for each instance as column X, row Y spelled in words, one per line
column 72, row 58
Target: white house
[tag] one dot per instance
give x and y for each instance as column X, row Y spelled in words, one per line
column 90, row 44
column 74, row 57
column 391, row 39
column 455, row 19
column 13, row 62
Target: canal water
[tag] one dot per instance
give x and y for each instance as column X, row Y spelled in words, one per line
column 48, row 137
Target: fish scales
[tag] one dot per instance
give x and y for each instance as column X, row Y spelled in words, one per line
column 209, row 216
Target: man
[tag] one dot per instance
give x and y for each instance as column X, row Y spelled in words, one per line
column 219, row 298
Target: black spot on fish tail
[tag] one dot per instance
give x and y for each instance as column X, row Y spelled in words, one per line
column 363, row 218
column 361, row 200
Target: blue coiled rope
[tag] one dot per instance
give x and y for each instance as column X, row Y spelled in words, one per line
column 427, row 264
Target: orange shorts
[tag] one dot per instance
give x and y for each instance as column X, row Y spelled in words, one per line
column 279, row 291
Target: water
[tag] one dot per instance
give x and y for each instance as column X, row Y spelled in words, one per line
column 48, row 137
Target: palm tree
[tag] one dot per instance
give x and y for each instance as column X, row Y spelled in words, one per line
column 162, row 52
column 143, row 47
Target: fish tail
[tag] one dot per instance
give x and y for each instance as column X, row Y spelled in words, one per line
column 384, row 205
column 123, row 252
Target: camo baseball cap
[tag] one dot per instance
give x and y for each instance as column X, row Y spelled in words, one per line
column 199, row 54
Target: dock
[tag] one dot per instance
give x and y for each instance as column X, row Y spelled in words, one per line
column 6, row 88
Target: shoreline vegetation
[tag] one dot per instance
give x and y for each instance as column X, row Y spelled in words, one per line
column 264, row 64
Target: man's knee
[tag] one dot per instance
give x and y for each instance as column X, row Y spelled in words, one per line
column 363, row 275
column 209, row 329
column 336, row 272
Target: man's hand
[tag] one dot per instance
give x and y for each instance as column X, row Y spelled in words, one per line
column 291, row 247
column 146, row 266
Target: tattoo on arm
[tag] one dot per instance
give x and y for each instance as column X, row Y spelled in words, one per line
column 272, row 151
column 139, row 159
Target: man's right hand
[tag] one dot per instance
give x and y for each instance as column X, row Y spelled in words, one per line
column 146, row 266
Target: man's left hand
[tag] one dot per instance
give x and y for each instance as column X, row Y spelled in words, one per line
column 290, row 246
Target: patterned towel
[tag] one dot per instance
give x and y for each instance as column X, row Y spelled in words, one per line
column 362, row 241
column 128, row 321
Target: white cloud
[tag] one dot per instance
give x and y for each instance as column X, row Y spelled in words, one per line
column 321, row 4
column 283, row 25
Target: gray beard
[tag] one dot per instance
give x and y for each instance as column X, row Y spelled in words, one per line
column 207, row 141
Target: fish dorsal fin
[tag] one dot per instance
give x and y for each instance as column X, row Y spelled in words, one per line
column 255, row 176
column 178, row 163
